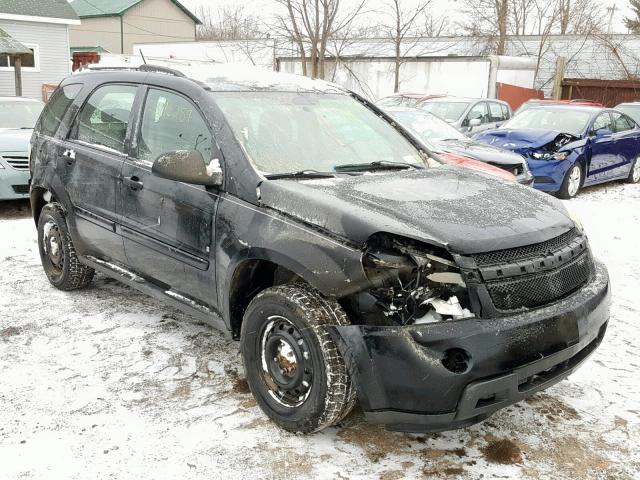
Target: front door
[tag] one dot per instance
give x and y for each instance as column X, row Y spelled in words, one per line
column 93, row 156
column 167, row 226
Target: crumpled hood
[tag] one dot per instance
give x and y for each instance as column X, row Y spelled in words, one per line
column 450, row 206
column 14, row 140
column 517, row 140
column 481, row 151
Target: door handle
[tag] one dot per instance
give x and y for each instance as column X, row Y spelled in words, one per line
column 133, row 183
column 70, row 156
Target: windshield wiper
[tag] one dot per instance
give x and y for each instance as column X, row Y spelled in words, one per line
column 363, row 167
column 299, row 174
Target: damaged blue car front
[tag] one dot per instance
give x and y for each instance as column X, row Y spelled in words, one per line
column 568, row 147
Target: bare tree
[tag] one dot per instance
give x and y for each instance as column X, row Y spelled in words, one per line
column 311, row 24
column 401, row 23
column 488, row 18
column 228, row 22
column 579, row 17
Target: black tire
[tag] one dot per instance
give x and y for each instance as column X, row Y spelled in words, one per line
column 57, row 252
column 566, row 191
column 298, row 313
column 634, row 174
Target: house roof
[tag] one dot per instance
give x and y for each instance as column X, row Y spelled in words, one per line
column 54, row 9
column 10, row 46
column 97, row 49
column 112, row 8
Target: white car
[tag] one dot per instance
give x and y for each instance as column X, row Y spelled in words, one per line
column 18, row 117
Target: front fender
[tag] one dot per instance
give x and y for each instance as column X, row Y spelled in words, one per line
column 246, row 232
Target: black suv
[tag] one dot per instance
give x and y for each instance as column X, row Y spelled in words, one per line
column 299, row 218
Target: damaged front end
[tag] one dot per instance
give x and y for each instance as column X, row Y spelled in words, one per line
column 554, row 150
column 410, row 284
column 436, row 341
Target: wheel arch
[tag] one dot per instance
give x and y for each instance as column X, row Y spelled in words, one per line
column 250, row 277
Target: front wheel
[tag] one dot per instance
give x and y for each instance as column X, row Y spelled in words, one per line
column 572, row 182
column 293, row 366
column 634, row 174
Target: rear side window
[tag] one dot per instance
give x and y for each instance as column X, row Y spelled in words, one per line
column 496, row 112
column 505, row 112
column 104, row 118
column 58, row 104
column 622, row 123
column 170, row 122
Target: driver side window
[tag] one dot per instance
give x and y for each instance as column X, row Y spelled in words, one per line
column 603, row 122
column 480, row 112
column 170, row 122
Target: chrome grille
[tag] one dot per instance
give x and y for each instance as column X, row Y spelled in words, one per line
column 20, row 162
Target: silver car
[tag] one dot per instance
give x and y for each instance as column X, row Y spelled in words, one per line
column 468, row 115
column 18, row 117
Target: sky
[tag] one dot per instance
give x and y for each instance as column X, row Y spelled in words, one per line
column 267, row 6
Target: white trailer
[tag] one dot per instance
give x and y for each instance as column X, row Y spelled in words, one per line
column 450, row 75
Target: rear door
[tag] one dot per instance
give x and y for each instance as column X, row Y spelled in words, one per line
column 167, row 226
column 626, row 136
column 603, row 149
column 92, row 158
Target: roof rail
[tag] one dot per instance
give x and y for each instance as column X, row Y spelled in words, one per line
column 147, row 67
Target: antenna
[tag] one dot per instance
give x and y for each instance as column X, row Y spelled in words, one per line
column 142, row 55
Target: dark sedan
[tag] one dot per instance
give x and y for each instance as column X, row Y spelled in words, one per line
column 442, row 138
column 568, row 147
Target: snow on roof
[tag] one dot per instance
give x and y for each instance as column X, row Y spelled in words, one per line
column 224, row 76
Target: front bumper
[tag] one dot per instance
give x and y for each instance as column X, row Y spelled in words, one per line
column 549, row 174
column 14, row 183
column 403, row 383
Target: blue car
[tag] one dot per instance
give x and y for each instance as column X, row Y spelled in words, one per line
column 568, row 146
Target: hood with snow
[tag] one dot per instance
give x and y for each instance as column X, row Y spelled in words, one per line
column 466, row 212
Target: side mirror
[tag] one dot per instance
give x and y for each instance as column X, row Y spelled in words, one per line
column 603, row 132
column 474, row 122
column 188, row 166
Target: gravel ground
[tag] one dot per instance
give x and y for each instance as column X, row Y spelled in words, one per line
column 108, row 383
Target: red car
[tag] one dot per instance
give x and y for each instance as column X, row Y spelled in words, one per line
column 475, row 165
column 535, row 102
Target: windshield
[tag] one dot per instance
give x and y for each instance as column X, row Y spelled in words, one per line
column 426, row 126
column 632, row 110
column 557, row 119
column 18, row 114
column 289, row 132
column 448, row 111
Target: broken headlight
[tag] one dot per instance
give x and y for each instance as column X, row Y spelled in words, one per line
column 550, row 155
column 413, row 283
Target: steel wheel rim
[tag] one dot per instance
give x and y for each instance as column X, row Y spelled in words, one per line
column 636, row 170
column 574, row 180
column 52, row 244
column 286, row 365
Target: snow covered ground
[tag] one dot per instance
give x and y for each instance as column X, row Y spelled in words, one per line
column 108, row 383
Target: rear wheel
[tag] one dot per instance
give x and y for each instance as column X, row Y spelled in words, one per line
column 634, row 174
column 293, row 366
column 57, row 253
column 572, row 182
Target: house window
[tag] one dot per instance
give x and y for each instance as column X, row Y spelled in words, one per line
column 29, row 62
